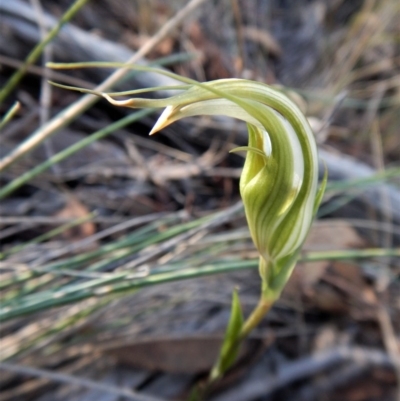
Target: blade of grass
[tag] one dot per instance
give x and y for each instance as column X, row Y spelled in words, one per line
column 36, row 278
column 24, row 178
column 50, row 234
column 377, row 178
column 70, row 113
column 110, row 285
column 165, row 240
column 56, row 327
column 119, row 250
column 38, row 49
column 10, row 114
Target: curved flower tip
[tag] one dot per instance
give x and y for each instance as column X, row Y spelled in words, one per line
column 278, row 184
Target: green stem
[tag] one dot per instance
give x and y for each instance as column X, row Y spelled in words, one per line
column 267, row 298
column 263, row 307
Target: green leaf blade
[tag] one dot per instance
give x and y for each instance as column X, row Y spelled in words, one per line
column 231, row 344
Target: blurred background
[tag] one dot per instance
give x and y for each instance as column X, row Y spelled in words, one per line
column 119, row 251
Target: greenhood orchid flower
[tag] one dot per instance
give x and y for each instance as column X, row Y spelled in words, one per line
column 278, row 184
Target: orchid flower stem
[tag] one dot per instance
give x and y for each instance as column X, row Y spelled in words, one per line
column 230, row 349
column 263, row 307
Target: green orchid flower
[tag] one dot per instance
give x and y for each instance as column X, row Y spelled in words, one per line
column 278, row 184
